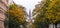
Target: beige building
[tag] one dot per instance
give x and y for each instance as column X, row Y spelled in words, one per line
column 3, row 9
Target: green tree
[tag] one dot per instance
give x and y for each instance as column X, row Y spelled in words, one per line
column 47, row 12
column 40, row 20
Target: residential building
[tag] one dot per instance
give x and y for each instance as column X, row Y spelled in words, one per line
column 3, row 9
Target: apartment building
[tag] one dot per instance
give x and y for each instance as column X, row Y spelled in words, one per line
column 3, row 9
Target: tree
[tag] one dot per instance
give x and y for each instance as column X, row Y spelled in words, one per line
column 16, row 15
column 47, row 12
column 40, row 20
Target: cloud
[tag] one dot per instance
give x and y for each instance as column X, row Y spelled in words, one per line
column 29, row 4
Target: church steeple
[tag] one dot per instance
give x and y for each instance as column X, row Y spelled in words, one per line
column 29, row 14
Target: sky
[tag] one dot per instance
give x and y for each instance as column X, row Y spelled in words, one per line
column 28, row 4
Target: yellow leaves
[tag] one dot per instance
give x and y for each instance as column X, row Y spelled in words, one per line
column 34, row 26
column 49, row 16
column 58, row 13
column 52, row 3
column 49, row 9
column 21, row 19
column 18, row 12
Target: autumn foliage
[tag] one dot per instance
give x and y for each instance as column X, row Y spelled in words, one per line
column 16, row 15
column 47, row 12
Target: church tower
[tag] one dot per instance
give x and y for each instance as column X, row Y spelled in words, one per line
column 30, row 20
column 30, row 16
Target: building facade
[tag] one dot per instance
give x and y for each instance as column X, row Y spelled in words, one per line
column 3, row 9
